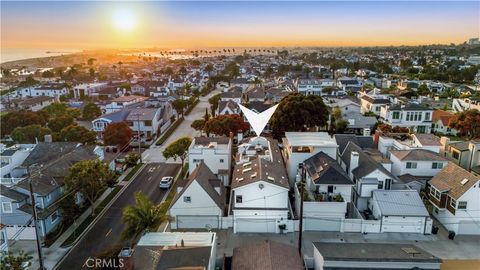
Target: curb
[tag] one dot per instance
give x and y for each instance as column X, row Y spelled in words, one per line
column 99, row 215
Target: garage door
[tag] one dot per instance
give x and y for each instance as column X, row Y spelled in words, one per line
column 400, row 224
column 197, row 222
column 21, row 233
column 256, row 225
column 469, row 227
column 326, row 224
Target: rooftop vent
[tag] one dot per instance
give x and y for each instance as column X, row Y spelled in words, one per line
column 254, row 175
column 271, row 178
column 240, row 179
column 247, row 164
column 464, row 181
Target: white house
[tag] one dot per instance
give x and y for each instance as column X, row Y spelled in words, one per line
column 50, row 90
column 33, row 104
column 147, row 121
column 455, row 196
column 123, row 102
column 345, row 105
column 366, row 172
column 228, row 107
column 418, row 162
column 465, row 104
column 87, row 89
column 10, row 159
column 413, row 116
column 440, row 122
column 400, row 211
column 215, row 153
column 200, row 202
column 428, row 142
column 259, row 197
column 299, row 146
column 328, row 189
column 372, row 102
column 312, row 86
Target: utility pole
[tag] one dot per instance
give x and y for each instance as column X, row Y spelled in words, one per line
column 138, row 136
column 302, row 188
column 35, row 217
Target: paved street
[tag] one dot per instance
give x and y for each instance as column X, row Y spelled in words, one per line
column 154, row 153
column 106, row 231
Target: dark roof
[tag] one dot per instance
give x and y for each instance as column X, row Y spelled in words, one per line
column 362, row 141
column 376, row 100
column 207, row 140
column 325, row 170
column 54, row 159
column 374, row 252
column 41, row 213
column 366, row 163
column 232, row 105
column 258, row 106
column 266, row 255
column 8, row 152
column 208, row 181
column 409, row 107
column 12, row 194
column 161, row 258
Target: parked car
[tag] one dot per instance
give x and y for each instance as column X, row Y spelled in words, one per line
column 166, row 182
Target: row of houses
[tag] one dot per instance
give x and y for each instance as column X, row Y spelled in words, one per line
column 350, row 186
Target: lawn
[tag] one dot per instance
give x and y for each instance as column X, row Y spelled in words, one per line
column 132, row 172
column 169, row 131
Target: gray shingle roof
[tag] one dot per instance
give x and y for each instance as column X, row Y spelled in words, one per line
column 399, row 203
column 325, row 170
column 266, row 255
column 362, row 141
column 417, row 155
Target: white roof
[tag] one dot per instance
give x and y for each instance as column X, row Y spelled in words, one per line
column 190, row 239
column 310, row 139
column 400, row 203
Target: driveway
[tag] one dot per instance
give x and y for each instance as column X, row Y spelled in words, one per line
column 154, row 152
column 107, row 230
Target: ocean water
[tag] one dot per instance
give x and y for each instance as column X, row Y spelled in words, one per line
column 13, row 54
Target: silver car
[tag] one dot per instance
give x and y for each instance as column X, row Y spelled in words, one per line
column 166, row 182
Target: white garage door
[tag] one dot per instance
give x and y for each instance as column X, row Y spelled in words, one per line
column 469, row 227
column 400, row 224
column 21, row 233
column 197, row 222
column 256, row 225
column 326, row 224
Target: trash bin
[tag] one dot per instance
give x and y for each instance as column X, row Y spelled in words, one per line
column 451, row 235
column 434, row 229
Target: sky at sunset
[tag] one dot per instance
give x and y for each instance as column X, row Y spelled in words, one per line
column 89, row 25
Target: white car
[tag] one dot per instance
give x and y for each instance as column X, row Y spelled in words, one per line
column 166, row 182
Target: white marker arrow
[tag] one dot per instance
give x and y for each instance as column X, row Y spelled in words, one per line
column 258, row 121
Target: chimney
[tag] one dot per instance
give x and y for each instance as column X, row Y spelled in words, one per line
column 125, row 259
column 376, row 137
column 48, row 138
column 353, row 163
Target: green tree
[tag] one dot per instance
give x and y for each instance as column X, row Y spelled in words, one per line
column 48, row 74
column 14, row 262
column 297, row 112
column 90, row 61
column 91, row 111
column 57, row 123
column 132, row 159
column 142, row 216
column 56, row 109
column 223, row 125
column 178, row 149
column 75, row 133
column 214, row 101
column 198, row 125
column 180, row 105
column 89, row 177
column 118, row 134
column 423, row 90
column 12, row 120
column 29, row 134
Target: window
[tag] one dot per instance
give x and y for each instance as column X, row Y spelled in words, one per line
column 437, row 165
column 148, row 123
column 380, row 185
column 54, row 216
column 453, row 203
column 377, row 109
column 411, row 165
column 396, row 115
column 187, row 199
column 427, row 116
column 197, row 160
column 49, row 197
column 455, row 154
column 238, row 199
column 462, row 206
column 6, row 207
column 222, row 160
column 435, row 193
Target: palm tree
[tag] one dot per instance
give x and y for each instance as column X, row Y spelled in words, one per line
column 142, row 216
